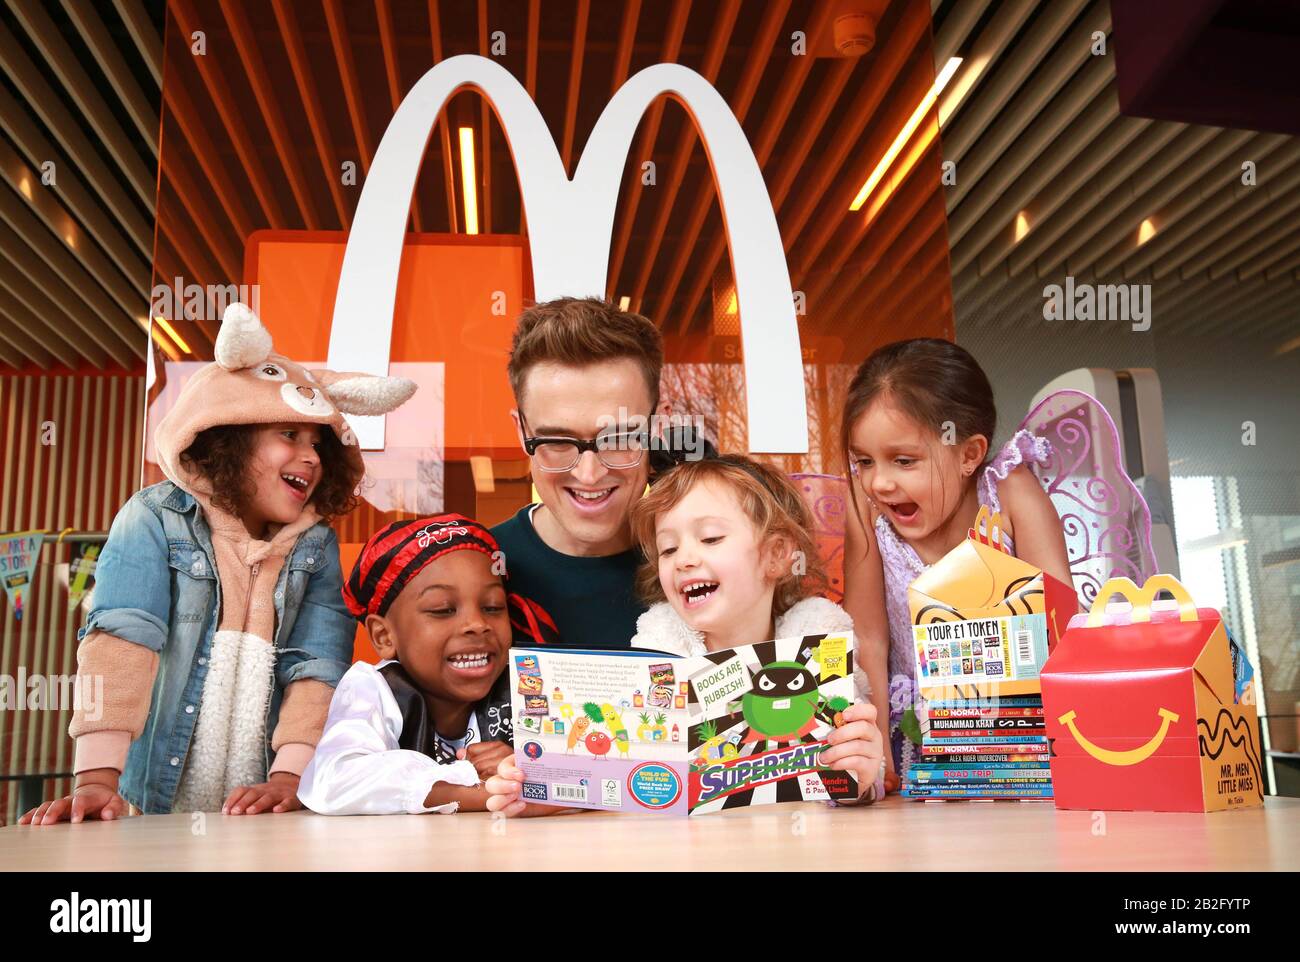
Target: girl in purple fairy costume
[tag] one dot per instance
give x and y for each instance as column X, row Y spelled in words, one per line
column 918, row 422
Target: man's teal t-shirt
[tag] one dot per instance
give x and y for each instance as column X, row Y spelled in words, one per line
column 593, row 600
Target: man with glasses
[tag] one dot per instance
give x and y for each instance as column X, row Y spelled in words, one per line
column 585, row 376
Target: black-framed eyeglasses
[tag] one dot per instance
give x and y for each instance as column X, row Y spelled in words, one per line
column 616, row 450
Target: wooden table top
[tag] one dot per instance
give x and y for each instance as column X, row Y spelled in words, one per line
column 893, row 835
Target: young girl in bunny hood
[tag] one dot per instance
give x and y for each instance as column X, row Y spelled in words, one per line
column 219, row 629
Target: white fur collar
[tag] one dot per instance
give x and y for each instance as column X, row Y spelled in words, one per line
column 662, row 629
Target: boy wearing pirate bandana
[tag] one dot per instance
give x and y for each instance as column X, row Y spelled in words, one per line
column 419, row 731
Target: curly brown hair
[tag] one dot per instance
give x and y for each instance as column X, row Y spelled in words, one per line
column 766, row 497
column 221, row 454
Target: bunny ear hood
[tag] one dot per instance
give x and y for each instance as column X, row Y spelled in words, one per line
column 354, row 393
column 242, row 341
column 249, row 383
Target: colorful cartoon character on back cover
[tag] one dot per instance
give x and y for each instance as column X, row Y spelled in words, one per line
column 598, row 744
column 608, row 715
column 578, row 731
column 714, row 747
column 652, row 731
column 618, row 731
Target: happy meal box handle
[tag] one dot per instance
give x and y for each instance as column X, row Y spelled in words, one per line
column 987, row 522
column 1142, row 598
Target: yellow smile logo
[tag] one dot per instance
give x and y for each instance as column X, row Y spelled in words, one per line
column 1131, row 757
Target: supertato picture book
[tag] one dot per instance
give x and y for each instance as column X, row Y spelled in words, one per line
column 643, row 732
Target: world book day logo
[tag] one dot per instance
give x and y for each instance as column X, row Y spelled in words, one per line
column 571, row 224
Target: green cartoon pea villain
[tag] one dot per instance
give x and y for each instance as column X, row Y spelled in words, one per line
column 782, row 706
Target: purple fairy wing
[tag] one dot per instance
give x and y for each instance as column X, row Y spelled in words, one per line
column 1107, row 522
column 827, row 498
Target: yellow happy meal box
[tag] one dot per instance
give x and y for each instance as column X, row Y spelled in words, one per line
column 983, row 621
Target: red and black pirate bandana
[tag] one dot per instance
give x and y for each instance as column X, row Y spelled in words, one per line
column 398, row 552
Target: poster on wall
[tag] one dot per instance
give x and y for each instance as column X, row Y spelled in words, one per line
column 18, row 553
column 81, row 574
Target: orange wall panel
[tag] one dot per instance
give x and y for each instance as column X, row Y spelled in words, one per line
column 457, row 300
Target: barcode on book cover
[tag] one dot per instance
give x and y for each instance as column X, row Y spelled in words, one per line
column 1024, row 646
column 568, row 793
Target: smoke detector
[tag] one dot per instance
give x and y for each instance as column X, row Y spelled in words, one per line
column 854, row 34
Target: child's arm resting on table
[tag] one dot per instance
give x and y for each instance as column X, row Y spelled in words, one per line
column 358, row 768
column 315, row 657
column 117, row 660
column 309, row 666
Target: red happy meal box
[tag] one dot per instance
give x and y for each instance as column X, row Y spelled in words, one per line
column 1142, row 709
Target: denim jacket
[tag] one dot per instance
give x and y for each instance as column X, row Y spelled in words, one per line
column 156, row 585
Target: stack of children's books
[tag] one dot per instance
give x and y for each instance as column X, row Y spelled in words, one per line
column 982, row 748
column 983, row 622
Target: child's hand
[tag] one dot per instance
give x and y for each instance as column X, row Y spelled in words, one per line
column 91, row 798
column 856, row 746
column 504, row 789
column 486, row 756
column 892, row 782
column 279, row 793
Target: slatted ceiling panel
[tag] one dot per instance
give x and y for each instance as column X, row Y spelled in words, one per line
column 675, row 172
column 86, row 18
column 388, row 42
column 76, row 91
column 292, row 36
column 444, row 123
column 703, row 205
column 290, row 62
column 216, row 244
column 1020, row 100
column 73, row 197
column 644, row 146
column 59, row 55
column 793, row 74
column 45, row 216
column 1086, row 196
column 41, row 96
column 141, row 21
column 839, row 237
column 485, row 112
column 817, row 188
column 79, row 481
